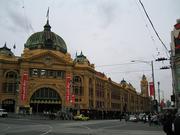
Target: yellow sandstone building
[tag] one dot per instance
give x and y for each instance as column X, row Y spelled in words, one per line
column 46, row 78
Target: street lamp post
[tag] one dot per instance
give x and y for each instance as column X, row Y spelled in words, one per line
column 152, row 66
column 152, row 69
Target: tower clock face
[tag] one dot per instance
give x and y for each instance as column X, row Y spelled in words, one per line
column 144, row 89
column 48, row 60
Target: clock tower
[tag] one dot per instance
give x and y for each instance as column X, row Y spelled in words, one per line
column 144, row 87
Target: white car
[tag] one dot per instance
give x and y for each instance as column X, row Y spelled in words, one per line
column 133, row 118
column 3, row 113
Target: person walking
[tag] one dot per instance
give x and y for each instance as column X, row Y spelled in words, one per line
column 177, row 124
column 120, row 116
column 149, row 119
column 126, row 117
column 167, row 123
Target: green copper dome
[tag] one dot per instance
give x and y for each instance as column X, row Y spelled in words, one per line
column 81, row 59
column 46, row 40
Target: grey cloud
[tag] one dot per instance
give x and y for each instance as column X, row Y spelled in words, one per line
column 14, row 20
column 107, row 11
column 17, row 19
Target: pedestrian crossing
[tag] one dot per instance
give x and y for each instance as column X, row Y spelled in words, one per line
column 130, row 132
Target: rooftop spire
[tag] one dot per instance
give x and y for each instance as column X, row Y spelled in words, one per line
column 5, row 45
column 47, row 15
column 47, row 27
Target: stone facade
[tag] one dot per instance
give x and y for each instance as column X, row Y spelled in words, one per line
column 45, row 86
column 175, row 62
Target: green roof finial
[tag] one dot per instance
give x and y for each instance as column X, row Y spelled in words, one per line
column 5, row 45
column 76, row 54
column 47, row 27
column 81, row 53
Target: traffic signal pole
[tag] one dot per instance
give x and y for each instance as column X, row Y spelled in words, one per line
column 152, row 66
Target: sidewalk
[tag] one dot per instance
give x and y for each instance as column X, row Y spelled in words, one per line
column 34, row 116
column 25, row 116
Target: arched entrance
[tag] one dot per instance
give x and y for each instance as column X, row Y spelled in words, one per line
column 9, row 105
column 45, row 99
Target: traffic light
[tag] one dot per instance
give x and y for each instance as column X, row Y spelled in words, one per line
column 173, row 98
column 155, row 105
column 161, row 59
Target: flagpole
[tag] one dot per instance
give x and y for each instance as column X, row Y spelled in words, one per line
column 47, row 15
column 14, row 47
column 153, row 79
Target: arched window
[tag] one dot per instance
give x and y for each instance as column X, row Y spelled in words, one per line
column 77, row 86
column 91, row 93
column 11, row 75
column 90, row 88
column 11, row 83
column 45, row 94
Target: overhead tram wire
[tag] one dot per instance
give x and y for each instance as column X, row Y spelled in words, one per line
column 109, row 65
column 146, row 25
column 132, row 71
column 154, row 28
column 123, row 64
column 25, row 20
column 28, row 27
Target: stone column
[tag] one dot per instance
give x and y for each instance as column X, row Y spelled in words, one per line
column 86, row 92
column 94, row 93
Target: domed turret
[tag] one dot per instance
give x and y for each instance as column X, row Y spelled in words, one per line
column 6, row 51
column 46, row 40
column 123, row 83
column 81, row 59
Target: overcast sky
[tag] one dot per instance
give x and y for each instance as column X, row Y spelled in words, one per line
column 111, row 33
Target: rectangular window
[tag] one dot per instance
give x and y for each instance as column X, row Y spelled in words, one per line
column 42, row 72
column 35, row 72
column 51, row 73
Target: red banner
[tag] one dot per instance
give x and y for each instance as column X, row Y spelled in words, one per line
column 73, row 99
column 68, row 85
column 24, row 83
column 151, row 88
column 162, row 104
column 177, row 47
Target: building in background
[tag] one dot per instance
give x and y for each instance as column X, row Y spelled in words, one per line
column 46, row 78
column 175, row 63
column 144, row 87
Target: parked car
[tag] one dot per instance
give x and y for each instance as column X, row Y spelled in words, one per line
column 133, row 118
column 154, row 119
column 141, row 116
column 145, row 118
column 81, row 117
column 3, row 113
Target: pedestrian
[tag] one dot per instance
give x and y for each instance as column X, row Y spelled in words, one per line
column 177, row 124
column 167, row 123
column 144, row 118
column 120, row 117
column 126, row 117
column 149, row 119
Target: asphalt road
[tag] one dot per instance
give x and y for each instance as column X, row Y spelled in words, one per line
column 20, row 126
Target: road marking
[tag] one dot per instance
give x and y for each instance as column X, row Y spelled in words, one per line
column 90, row 130
column 50, row 129
column 5, row 129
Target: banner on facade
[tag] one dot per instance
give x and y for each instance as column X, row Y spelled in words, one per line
column 73, row 99
column 151, row 88
column 162, row 104
column 24, row 83
column 68, row 86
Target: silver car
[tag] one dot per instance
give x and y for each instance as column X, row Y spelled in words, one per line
column 3, row 113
